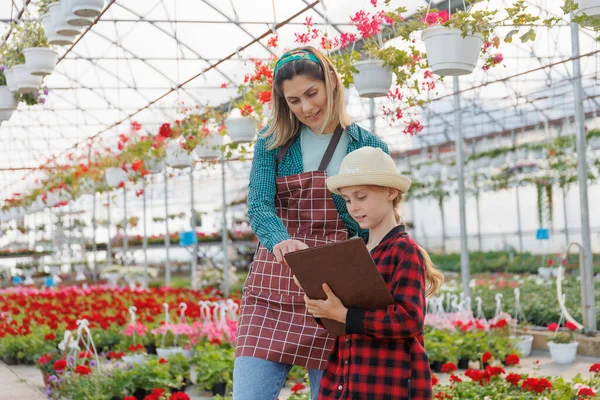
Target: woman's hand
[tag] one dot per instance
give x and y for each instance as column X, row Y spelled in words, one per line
column 287, row 246
column 331, row 308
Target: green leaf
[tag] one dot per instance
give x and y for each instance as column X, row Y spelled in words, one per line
column 530, row 35
column 509, row 35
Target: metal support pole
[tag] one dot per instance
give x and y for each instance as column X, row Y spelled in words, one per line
column 460, row 163
column 479, row 244
column 94, row 245
column 108, row 242
column 372, row 115
column 564, row 196
column 443, row 219
column 125, row 238
column 167, row 237
column 519, row 229
column 589, row 312
column 145, row 237
column 194, row 250
column 69, row 241
column 225, row 239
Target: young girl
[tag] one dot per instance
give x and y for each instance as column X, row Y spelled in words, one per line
column 382, row 354
column 290, row 208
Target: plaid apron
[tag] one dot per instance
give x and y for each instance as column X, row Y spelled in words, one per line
column 273, row 323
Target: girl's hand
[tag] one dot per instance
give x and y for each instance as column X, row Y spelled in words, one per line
column 287, row 246
column 331, row 308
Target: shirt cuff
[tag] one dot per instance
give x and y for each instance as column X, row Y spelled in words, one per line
column 275, row 238
column 354, row 321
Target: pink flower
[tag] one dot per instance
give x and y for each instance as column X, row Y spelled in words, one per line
column 139, row 329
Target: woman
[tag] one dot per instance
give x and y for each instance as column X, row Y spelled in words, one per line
column 290, row 209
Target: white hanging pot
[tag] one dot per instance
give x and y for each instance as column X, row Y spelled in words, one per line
column 40, row 60
column 450, row 54
column 206, row 151
column 114, row 176
column 154, row 166
column 563, row 353
column 60, row 23
column 178, row 157
column 50, row 31
column 524, row 344
column 590, row 7
column 26, row 83
column 594, row 143
column 373, row 79
column 9, row 74
column 87, row 8
column 72, row 19
column 240, row 129
column 165, row 352
column 8, row 103
column 135, row 358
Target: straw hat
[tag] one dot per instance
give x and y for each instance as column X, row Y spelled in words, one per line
column 368, row 166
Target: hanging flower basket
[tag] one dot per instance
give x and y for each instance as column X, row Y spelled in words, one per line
column 50, row 31
column 166, row 352
column 154, row 166
column 206, row 151
column 8, row 103
column 87, row 8
column 240, row 129
column 71, row 18
column 373, row 79
column 60, row 23
column 594, row 143
column 450, row 54
column 39, row 60
column 10, row 79
column 25, row 82
column 590, row 7
column 178, row 157
column 114, row 176
column 563, row 353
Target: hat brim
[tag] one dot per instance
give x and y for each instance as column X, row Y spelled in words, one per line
column 397, row 181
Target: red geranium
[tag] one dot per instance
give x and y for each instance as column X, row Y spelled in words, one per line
column 487, row 356
column 60, row 365
column 513, row 379
column 512, row 359
column 586, row 391
column 298, row 387
column 165, row 131
column 552, row 327
column 162, row 361
column 595, row 368
column 179, row 396
column 536, row 385
column 570, row 326
column 449, row 367
column 82, row 370
column 50, row 337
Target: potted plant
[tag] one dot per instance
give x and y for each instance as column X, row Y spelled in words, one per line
column 59, row 21
column 49, row 24
column 8, row 101
column 18, row 77
column 87, row 8
column 593, row 139
column 40, row 59
column 562, row 344
column 240, row 127
column 177, row 156
column 214, row 365
column 72, row 18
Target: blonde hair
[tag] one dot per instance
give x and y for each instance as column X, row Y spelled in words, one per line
column 284, row 123
column 433, row 276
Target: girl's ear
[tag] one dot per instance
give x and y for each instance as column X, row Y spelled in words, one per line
column 393, row 193
column 333, row 79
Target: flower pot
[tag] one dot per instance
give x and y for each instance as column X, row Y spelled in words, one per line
column 206, row 151
column 545, row 272
column 563, row 353
column 594, row 142
column 71, row 18
column 448, row 53
column 28, row 273
column 524, row 344
column 87, row 8
column 114, row 176
column 8, row 103
column 219, row 389
column 10, row 79
column 40, row 60
column 590, row 7
column 50, row 31
column 178, row 157
column 463, row 363
column 240, row 129
column 10, row 360
column 26, row 83
column 60, row 23
column 150, row 348
column 135, row 358
column 373, row 79
column 436, row 366
column 154, row 166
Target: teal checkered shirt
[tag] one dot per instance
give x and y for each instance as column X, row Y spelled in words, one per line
column 262, row 187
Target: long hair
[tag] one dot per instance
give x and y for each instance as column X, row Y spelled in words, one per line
column 284, row 123
column 433, row 276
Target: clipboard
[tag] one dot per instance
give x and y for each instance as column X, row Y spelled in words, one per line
column 348, row 269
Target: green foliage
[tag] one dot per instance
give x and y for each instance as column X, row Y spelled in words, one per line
column 214, row 364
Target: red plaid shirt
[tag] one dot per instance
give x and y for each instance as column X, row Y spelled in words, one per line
column 382, row 354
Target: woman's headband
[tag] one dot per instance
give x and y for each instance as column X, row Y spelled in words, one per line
column 293, row 56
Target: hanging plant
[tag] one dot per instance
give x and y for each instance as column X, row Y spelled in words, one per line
column 540, row 204
column 549, row 205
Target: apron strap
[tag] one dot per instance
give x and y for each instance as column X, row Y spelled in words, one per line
column 331, row 148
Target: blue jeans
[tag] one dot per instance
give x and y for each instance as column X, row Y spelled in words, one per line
column 258, row 379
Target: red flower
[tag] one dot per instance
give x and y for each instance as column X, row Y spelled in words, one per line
column 570, row 326
column 455, row 378
column 45, row 359
column 272, row 42
column 513, row 379
column 158, row 391
column 179, row 396
column 512, row 359
column 82, row 370
column 595, row 368
column 115, row 355
column 162, row 361
column 129, row 398
column 487, row 356
column 265, row 96
column 121, row 184
column 60, row 365
column 50, row 337
column 536, row 385
column 135, row 126
column 137, row 165
column 246, row 110
column 165, row 131
column 586, row 391
column 449, row 367
column 298, row 387
column 552, row 327
column 223, row 85
column 434, row 380
column 443, row 395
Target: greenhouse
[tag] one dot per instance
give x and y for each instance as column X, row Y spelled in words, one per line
column 145, row 216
